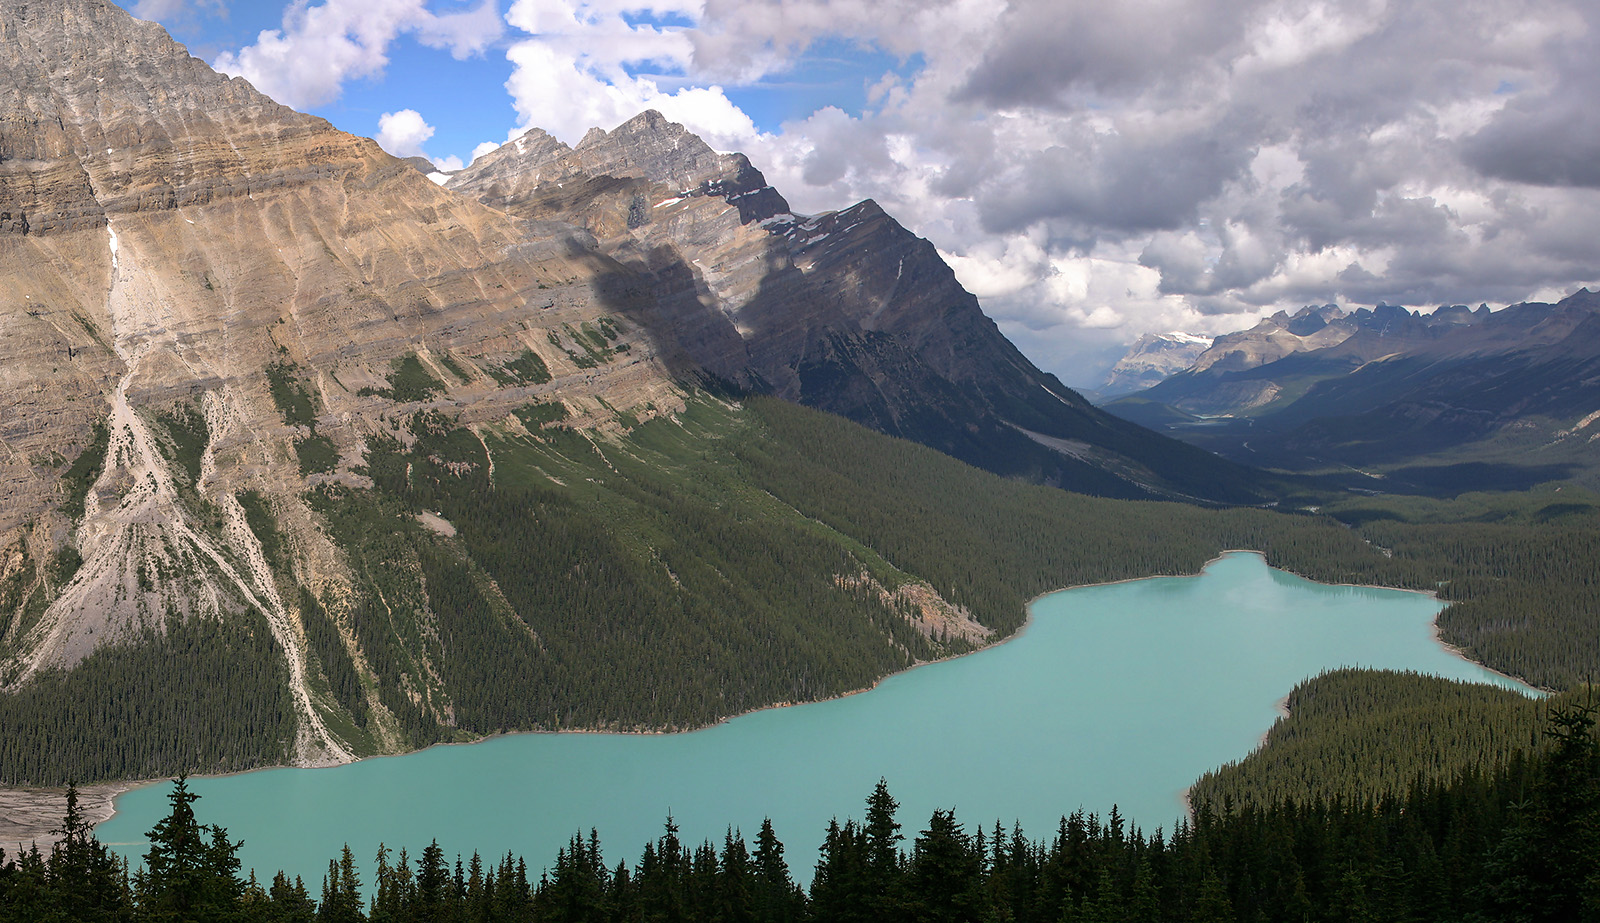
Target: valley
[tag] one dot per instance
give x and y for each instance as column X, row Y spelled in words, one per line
column 1393, row 401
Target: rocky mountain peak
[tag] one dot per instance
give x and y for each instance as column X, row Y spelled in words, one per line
column 1453, row 314
column 646, row 148
column 1582, row 299
column 1310, row 319
column 96, row 106
column 650, row 147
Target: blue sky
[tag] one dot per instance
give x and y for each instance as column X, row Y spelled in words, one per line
column 463, row 97
column 1091, row 172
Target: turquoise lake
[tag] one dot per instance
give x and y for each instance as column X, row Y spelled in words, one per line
column 1118, row 694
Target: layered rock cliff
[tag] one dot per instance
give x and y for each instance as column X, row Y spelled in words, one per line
column 174, row 248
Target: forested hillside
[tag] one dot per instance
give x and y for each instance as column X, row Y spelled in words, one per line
column 776, row 549
column 731, row 557
column 1521, row 571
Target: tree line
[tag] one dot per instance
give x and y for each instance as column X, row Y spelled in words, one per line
column 1520, row 841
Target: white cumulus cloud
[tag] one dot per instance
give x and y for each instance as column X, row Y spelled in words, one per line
column 306, row 63
column 1093, row 172
column 585, row 65
column 403, row 133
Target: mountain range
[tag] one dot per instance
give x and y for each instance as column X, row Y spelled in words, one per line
column 1397, row 400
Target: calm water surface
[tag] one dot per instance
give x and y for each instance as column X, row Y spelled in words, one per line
column 1120, row 694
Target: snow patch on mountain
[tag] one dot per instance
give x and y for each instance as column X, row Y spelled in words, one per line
column 1153, row 359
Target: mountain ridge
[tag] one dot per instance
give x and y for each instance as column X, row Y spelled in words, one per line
column 845, row 311
column 1389, row 388
column 1152, row 358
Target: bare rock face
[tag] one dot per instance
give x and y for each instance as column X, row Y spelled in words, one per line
column 1154, row 357
column 1276, row 337
column 846, row 311
column 168, row 238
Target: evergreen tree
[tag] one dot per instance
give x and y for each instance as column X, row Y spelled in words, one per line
column 776, row 897
column 341, row 891
column 1546, row 867
column 735, row 882
column 841, row 887
column 945, row 879
column 24, row 887
column 1212, row 905
column 288, row 902
column 882, row 841
column 395, row 889
column 576, row 891
column 88, row 883
column 662, row 878
column 191, row 872
column 435, row 894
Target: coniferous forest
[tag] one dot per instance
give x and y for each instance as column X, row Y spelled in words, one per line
column 1517, row 841
column 734, row 557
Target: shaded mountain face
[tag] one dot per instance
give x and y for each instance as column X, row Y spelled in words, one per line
column 845, row 311
column 1440, row 402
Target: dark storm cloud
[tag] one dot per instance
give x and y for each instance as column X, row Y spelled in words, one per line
column 1318, row 222
column 1113, row 183
column 1552, row 139
column 1549, row 136
column 1048, row 49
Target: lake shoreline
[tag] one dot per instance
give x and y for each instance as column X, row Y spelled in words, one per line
column 33, row 812
column 28, row 816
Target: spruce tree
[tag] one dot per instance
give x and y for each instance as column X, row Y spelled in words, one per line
column 777, row 899
column 341, row 891
column 191, row 872
column 87, row 881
